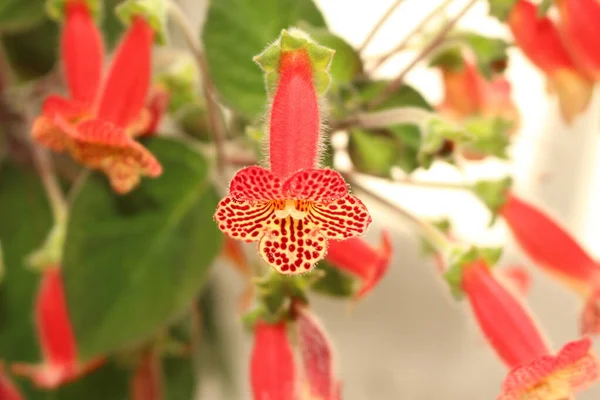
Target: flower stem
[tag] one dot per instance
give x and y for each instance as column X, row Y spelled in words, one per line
column 403, row 44
column 431, row 184
column 45, row 168
column 435, row 42
column 379, row 24
column 385, row 118
column 215, row 121
column 441, row 242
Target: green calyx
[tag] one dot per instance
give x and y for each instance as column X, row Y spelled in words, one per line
column 493, row 193
column 56, row 9
column 460, row 258
column 291, row 41
column 52, row 249
column 153, row 11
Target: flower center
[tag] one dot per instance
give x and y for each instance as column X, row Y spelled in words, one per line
column 290, row 209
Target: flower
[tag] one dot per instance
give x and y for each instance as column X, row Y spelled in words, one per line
column 272, row 369
column 540, row 40
column 554, row 250
column 95, row 126
column 316, row 355
column 509, row 328
column 294, row 208
column 8, row 390
column 361, row 259
column 579, row 27
column 55, row 334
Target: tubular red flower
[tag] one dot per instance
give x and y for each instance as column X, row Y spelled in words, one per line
column 540, row 41
column 579, row 26
column 8, row 391
column 146, row 383
column 272, row 370
column 316, row 353
column 291, row 219
column 55, row 334
column 359, row 258
column 82, row 53
column 128, row 80
column 463, row 91
column 511, row 331
column 294, row 120
column 550, row 246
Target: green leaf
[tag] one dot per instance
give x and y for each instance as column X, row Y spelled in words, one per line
column 501, row 8
column 25, row 220
column 111, row 25
column 373, row 153
column 236, row 31
column 20, row 15
column 493, row 194
column 180, row 378
column 32, row 53
column 488, row 136
column 335, row 282
column 132, row 263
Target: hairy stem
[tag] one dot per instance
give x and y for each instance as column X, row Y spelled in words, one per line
column 45, row 168
column 215, row 121
column 435, row 42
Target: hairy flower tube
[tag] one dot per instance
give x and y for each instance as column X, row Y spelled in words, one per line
column 580, row 29
column 535, row 372
column 55, row 335
column 540, row 40
column 294, row 208
column 554, row 250
column 272, row 368
column 359, row 258
column 96, row 123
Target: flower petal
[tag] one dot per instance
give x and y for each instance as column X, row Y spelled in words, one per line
column 292, row 246
column 590, row 317
column 576, row 364
column 317, row 185
column 102, row 145
column 66, row 108
column 46, row 132
column 516, row 277
column 344, row 218
column 244, row 220
column 255, row 184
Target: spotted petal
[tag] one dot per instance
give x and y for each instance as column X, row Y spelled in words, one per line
column 255, row 184
column 344, row 218
column 46, row 132
column 549, row 377
column 244, row 220
column 292, row 246
column 317, row 185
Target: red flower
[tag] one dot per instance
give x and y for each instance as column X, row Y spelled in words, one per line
column 96, row 126
column 146, row 383
column 359, row 258
column 579, row 26
column 292, row 209
column 539, row 39
column 316, row 354
column 8, row 390
column 553, row 249
column 272, row 370
column 512, row 332
column 55, row 334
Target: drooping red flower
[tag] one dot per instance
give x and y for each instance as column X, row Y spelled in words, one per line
column 272, row 369
column 515, row 337
column 540, row 40
column 294, row 208
column 97, row 125
column 146, row 383
column 579, row 26
column 316, row 354
column 554, row 250
column 55, row 335
column 359, row 258
column 8, row 391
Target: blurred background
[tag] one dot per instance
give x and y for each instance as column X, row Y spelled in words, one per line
column 409, row 339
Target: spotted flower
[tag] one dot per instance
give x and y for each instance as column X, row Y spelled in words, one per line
column 97, row 122
column 293, row 208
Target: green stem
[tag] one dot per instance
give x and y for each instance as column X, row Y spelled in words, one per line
column 45, row 168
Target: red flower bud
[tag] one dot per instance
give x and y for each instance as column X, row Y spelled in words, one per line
column 539, row 39
column 146, row 383
column 272, row 370
column 55, row 335
column 8, row 391
column 359, row 258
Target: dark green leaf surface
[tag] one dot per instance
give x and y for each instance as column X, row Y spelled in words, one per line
column 19, row 15
column 133, row 262
column 236, row 31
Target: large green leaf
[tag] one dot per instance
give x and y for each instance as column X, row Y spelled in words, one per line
column 237, row 30
column 133, row 262
column 25, row 220
column 19, row 15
